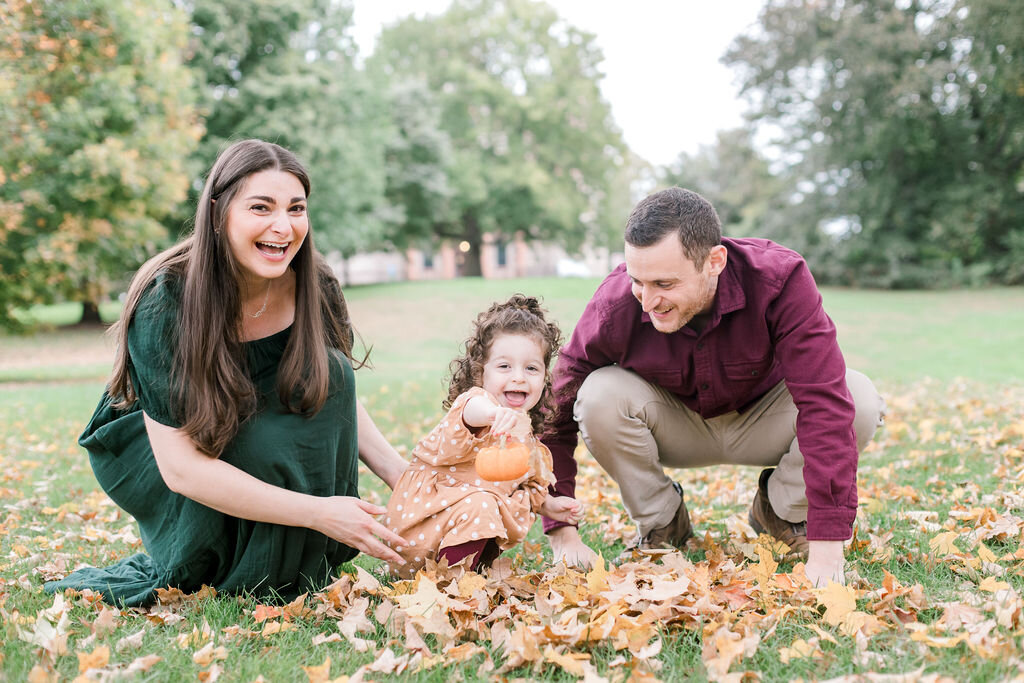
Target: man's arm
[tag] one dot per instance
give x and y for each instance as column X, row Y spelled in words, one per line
column 815, row 374
column 587, row 350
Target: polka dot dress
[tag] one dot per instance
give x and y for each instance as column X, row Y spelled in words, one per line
column 441, row 501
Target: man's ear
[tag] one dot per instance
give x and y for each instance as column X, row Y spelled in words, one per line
column 717, row 259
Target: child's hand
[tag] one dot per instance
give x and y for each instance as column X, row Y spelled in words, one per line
column 509, row 421
column 562, row 509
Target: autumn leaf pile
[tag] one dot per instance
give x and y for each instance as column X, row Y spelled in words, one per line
column 933, row 584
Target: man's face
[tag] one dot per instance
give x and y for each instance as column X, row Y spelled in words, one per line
column 668, row 285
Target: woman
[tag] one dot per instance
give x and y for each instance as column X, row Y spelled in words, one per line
column 230, row 427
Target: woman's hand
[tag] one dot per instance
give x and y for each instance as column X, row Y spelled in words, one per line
column 350, row 521
column 566, row 546
column 225, row 488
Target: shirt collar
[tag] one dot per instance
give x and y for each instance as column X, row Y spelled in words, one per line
column 729, row 296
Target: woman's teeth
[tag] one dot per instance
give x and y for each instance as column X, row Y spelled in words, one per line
column 271, row 248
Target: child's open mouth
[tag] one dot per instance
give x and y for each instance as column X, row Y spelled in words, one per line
column 515, row 398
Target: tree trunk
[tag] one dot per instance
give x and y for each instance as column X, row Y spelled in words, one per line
column 469, row 260
column 90, row 314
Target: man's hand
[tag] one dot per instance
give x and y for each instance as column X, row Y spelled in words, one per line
column 825, row 562
column 566, row 546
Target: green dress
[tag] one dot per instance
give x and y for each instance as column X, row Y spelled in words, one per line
column 189, row 544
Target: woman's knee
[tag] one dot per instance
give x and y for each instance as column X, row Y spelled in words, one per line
column 869, row 406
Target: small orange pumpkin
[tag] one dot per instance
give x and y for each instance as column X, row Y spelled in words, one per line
column 504, row 462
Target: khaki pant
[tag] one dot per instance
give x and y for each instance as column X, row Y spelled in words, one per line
column 636, row 429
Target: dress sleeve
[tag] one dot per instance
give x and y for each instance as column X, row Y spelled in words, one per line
column 451, row 441
column 151, row 344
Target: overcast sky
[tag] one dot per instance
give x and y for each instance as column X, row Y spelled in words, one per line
column 667, row 89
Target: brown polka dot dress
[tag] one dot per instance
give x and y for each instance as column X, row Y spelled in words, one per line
column 441, row 501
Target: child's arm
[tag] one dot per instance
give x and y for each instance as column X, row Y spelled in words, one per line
column 562, row 509
column 479, row 412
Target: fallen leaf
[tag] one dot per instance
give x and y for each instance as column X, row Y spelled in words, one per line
column 97, row 659
column 838, row 600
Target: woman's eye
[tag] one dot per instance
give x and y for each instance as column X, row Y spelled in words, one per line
column 259, row 207
column 299, row 209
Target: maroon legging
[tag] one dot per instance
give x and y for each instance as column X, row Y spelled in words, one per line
column 486, row 551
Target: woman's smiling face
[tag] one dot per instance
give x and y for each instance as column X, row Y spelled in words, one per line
column 267, row 224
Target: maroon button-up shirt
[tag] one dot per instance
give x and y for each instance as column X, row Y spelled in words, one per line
column 767, row 325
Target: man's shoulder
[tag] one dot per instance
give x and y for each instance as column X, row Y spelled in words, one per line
column 761, row 258
column 614, row 292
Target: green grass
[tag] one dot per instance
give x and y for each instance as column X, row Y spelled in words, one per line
column 949, row 365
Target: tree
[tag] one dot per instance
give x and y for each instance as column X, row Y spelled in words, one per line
column 533, row 146
column 284, row 71
column 734, row 176
column 100, row 116
column 904, row 127
column 418, row 165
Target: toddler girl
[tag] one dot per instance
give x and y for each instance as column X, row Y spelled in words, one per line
column 499, row 387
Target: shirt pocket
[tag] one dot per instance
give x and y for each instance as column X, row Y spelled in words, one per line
column 747, row 370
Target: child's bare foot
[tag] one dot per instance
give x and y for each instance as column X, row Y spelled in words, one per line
column 562, row 509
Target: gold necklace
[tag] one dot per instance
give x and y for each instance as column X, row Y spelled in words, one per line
column 266, row 298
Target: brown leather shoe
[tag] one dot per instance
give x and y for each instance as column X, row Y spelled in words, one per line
column 672, row 535
column 764, row 520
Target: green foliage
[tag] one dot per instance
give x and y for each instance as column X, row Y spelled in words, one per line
column 735, row 178
column 284, row 71
column 534, row 148
column 99, row 116
column 903, row 127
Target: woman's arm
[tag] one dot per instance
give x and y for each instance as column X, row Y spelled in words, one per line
column 225, row 488
column 374, row 450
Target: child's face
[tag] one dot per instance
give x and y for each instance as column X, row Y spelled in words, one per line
column 514, row 372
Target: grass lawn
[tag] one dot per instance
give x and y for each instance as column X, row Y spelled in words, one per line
column 934, row 570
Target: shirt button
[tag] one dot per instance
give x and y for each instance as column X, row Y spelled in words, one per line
column 700, row 345
column 705, row 386
column 753, row 373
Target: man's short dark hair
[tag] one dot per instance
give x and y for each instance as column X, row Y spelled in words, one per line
column 687, row 213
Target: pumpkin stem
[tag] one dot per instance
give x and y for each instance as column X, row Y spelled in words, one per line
column 501, row 441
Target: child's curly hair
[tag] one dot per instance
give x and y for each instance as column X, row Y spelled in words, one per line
column 523, row 315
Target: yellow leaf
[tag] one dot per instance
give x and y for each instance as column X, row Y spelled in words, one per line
column 319, row 674
column 567, row 661
column 40, row 675
column 985, row 554
column 800, row 649
column 470, row 583
column 97, row 659
column 597, row 578
column 838, row 600
column 143, row 664
column 937, row 641
column 425, row 601
column 764, row 570
column 208, row 655
column 991, row 584
column 297, row 607
column 943, row 543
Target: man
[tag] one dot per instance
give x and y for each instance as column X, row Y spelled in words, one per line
column 700, row 350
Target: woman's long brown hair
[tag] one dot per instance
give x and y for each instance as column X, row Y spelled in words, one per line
column 212, row 393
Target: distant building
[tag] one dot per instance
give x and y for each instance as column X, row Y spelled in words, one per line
column 499, row 258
